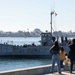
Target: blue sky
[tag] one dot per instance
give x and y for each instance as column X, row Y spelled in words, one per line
column 30, row 14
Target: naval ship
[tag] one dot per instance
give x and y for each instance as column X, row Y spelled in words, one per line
column 32, row 51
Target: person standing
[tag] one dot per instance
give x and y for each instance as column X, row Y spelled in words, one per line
column 62, row 39
column 62, row 57
column 54, row 50
column 71, row 54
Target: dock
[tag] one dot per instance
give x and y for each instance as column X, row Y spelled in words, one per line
column 39, row 70
column 63, row 73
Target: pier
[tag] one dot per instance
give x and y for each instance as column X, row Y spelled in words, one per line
column 39, row 70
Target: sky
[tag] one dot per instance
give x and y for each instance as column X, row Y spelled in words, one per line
column 27, row 15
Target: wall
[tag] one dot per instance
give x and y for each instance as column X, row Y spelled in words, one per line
column 29, row 71
column 33, row 71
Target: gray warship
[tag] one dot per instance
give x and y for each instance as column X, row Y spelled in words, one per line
column 32, row 51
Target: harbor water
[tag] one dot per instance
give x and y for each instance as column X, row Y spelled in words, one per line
column 20, row 40
column 18, row 63
column 12, row 63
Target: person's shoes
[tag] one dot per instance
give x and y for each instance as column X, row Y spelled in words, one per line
column 71, row 72
column 60, row 73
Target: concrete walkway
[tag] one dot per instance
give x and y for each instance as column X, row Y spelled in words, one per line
column 63, row 73
column 38, row 70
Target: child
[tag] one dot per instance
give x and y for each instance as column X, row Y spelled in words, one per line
column 62, row 57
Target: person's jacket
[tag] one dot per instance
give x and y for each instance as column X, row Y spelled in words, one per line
column 71, row 54
column 62, row 55
column 54, row 50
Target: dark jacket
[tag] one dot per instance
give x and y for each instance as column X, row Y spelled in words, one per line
column 54, row 50
column 71, row 54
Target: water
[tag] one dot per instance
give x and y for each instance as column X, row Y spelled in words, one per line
column 18, row 63
column 20, row 40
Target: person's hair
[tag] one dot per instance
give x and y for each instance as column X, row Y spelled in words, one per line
column 56, row 45
column 73, row 40
column 62, row 49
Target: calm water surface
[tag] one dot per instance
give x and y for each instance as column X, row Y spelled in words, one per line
column 20, row 40
column 17, row 63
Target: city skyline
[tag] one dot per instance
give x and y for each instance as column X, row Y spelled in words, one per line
column 31, row 14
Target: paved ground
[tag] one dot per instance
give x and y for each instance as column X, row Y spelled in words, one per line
column 63, row 73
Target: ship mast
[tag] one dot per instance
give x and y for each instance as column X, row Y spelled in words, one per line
column 51, row 20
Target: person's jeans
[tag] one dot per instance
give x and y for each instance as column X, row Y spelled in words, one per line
column 61, row 63
column 71, row 66
column 56, row 58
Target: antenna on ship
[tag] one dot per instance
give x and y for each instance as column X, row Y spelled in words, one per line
column 51, row 14
column 51, row 20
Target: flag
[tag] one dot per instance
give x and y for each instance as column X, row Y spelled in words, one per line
column 55, row 14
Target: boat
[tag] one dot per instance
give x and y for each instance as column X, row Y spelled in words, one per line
column 32, row 51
